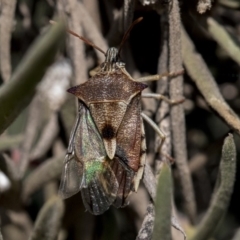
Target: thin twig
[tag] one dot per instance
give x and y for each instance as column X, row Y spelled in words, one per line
column 200, row 74
column 49, row 170
column 177, row 112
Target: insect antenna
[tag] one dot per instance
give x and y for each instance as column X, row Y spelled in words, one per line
column 126, row 35
column 82, row 38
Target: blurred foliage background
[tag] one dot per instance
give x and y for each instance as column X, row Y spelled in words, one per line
column 41, row 118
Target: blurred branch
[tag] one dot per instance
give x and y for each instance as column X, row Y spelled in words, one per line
column 6, row 27
column 199, row 73
column 25, row 12
column 10, row 141
column 92, row 32
column 162, row 113
column 47, row 225
column 32, row 129
column 92, row 7
column 162, row 222
column 8, row 167
column 223, row 38
column 19, row 224
column 12, row 192
column 177, row 112
column 50, row 189
column 149, row 181
column 197, row 162
column 115, row 17
column 236, row 235
column 145, row 233
column 76, row 46
column 235, row 4
column 49, row 133
column 49, row 170
column 17, row 93
column 128, row 10
column 221, row 198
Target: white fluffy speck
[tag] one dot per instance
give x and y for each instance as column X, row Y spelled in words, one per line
column 4, row 182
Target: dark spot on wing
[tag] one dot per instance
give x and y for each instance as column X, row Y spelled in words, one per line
column 108, row 132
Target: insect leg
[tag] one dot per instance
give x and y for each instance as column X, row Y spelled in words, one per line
column 139, row 174
column 155, row 127
column 160, row 76
column 162, row 97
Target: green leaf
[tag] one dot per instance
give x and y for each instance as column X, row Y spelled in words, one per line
column 17, row 93
column 221, row 198
column 162, row 223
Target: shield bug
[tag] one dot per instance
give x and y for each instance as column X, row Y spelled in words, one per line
column 106, row 152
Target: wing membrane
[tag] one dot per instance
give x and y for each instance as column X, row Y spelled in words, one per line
column 125, row 178
column 86, row 166
column 129, row 135
column 101, row 187
column 72, row 169
column 71, row 177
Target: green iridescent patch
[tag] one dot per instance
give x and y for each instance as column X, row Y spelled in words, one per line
column 93, row 168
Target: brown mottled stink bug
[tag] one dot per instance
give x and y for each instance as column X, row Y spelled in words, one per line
column 107, row 151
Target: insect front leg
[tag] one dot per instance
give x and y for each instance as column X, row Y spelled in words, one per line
column 157, row 77
column 160, row 133
column 164, row 98
column 156, row 128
